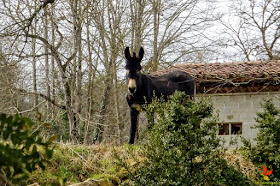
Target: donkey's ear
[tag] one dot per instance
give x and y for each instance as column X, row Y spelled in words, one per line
column 141, row 53
column 127, row 53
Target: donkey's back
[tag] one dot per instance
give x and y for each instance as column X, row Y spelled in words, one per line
column 167, row 84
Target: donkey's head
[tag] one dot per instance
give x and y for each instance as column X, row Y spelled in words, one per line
column 133, row 68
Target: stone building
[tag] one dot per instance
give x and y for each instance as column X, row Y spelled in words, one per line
column 236, row 91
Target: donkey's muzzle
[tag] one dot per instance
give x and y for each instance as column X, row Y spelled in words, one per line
column 132, row 86
column 132, row 90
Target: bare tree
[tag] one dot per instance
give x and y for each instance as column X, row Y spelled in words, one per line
column 254, row 28
column 173, row 29
column 59, row 54
column 107, row 17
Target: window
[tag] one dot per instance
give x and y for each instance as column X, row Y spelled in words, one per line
column 236, row 128
column 223, row 129
column 230, row 128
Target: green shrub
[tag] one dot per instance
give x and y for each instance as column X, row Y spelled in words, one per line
column 20, row 149
column 182, row 147
column 267, row 149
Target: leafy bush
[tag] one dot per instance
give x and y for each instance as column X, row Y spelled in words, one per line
column 182, row 147
column 267, row 149
column 20, row 148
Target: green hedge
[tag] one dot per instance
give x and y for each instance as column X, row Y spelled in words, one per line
column 266, row 151
column 182, row 147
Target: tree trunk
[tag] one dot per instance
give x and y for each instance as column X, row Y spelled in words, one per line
column 98, row 133
column 156, row 9
column 54, row 72
column 34, row 71
column 79, row 72
column 138, row 24
column 117, row 107
column 91, row 73
column 76, row 75
column 47, row 68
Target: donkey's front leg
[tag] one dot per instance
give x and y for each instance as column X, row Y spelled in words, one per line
column 133, row 124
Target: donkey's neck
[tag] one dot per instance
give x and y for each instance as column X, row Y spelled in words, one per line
column 142, row 86
column 147, row 88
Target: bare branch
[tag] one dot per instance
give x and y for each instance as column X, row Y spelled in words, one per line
column 42, row 96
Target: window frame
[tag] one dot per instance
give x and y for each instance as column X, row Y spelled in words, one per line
column 230, row 128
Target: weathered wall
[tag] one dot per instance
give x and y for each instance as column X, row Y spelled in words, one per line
column 241, row 108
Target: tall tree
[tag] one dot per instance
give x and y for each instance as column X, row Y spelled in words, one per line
column 173, row 29
column 34, row 63
column 47, row 68
column 107, row 17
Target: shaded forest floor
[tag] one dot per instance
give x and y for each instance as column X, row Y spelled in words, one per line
column 76, row 163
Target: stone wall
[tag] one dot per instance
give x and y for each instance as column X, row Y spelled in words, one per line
column 241, row 108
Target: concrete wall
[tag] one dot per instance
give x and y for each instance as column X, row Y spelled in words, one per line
column 241, row 108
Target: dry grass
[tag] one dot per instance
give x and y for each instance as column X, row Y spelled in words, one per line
column 236, row 159
column 77, row 163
